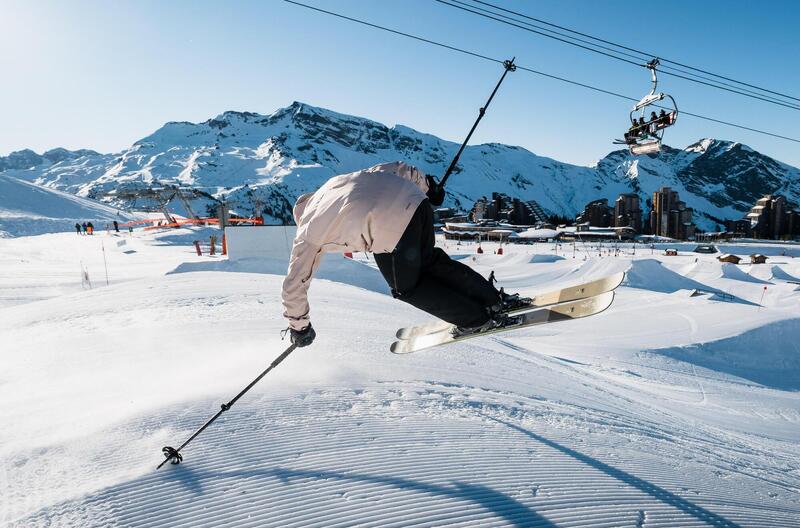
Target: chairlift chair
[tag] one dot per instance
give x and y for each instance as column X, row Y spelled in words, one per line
column 648, row 139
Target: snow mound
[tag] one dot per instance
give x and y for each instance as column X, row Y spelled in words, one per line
column 779, row 274
column 771, row 367
column 334, row 268
column 541, row 259
column 732, row 271
column 650, row 274
column 30, row 209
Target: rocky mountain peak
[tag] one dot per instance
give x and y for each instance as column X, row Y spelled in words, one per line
column 263, row 162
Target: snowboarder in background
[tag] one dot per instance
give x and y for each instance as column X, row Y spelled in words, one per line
column 89, row 228
column 386, row 210
column 77, row 228
column 84, row 227
column 116, row 226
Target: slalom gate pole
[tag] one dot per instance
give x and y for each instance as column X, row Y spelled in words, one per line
column 105, row 264
column 173, row 455
column 509, row 66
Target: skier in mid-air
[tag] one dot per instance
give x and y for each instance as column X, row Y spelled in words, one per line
column 386, row 210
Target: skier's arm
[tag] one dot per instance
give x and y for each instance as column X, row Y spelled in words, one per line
column 427, row 184
column 303, row 262
column 415, row 176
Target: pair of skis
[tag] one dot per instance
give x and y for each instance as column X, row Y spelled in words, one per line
column 572, row 302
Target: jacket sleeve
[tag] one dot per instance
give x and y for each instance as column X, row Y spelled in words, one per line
column 304, row 261
column 415, row 176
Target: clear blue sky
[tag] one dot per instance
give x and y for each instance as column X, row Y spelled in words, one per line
column 100, row 75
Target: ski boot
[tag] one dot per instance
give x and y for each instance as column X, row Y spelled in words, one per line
column 513, row 301
column 497, row 320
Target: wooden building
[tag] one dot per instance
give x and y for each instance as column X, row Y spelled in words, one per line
column 732, row 259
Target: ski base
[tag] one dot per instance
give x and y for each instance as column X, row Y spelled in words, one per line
column 570, row 293
column 561, row 312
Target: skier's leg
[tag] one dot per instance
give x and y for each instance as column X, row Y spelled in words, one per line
column 438, row 265
column 402, row 270
column 460, row 276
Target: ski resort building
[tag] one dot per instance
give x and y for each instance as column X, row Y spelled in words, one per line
column 731, row 259
column 772, row 217
column 627, row 212
column 597, row 213
column 587, row 232
column 768, row 217
column 502, row 207
column 670, row 217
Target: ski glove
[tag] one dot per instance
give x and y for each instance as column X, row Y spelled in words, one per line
column 435, row 191
column 302, row 337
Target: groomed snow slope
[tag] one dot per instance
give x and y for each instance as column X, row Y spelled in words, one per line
column 27, row 208
column 634, row 417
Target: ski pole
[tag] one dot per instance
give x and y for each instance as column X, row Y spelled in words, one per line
column 173, row 455
column 509, row 66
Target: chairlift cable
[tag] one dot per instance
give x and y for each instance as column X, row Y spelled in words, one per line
column 641, row 56
column 530, row 70
column 517, row 25
column 647, row 54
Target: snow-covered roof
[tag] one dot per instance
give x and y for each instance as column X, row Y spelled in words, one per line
column 538, row 233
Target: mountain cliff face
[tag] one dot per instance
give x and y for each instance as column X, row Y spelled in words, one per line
column 263, row 163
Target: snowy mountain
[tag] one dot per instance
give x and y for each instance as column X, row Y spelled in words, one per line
column 262, row 163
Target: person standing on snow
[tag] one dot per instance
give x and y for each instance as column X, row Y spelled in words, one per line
column 77, row 228
column 385, row 210
column 84, row 227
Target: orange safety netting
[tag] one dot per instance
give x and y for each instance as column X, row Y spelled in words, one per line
column 192, row 221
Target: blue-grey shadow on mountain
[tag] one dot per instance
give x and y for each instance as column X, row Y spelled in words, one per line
column 768, row 355
column 657, row 492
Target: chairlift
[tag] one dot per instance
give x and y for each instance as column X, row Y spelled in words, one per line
column 646, row 132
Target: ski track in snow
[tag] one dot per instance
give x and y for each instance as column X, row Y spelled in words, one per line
column 627, row 418
column 366, row 456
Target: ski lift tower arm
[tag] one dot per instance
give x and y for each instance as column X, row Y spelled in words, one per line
column 509, row 66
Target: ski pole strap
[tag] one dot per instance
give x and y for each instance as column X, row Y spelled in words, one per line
column 173, row 455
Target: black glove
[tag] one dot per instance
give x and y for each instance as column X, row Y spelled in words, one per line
column 435, row 191
column 302, row 337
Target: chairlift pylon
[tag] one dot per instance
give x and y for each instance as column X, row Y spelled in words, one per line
column 647, row 132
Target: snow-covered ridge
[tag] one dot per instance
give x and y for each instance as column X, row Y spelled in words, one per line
column 261, row 163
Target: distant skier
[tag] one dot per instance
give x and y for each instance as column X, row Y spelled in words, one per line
column 77, row 228
column 386, row 210
column 116, row 226
column 84, row 227
column 89, row 228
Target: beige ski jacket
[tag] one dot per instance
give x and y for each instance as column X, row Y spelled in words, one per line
column 366, row 210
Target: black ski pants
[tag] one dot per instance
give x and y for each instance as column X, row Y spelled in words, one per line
column 424, row 276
